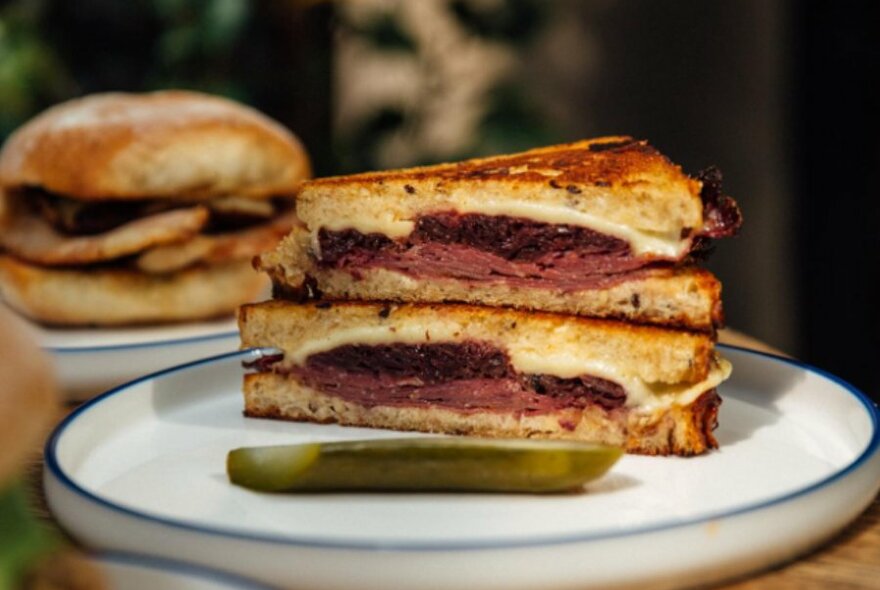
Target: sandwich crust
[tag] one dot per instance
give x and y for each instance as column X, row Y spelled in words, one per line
column 169, row 144
column 27, row 394
column 106, row 297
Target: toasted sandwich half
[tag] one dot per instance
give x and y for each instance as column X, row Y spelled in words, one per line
column 606, row 228
column 482, row 371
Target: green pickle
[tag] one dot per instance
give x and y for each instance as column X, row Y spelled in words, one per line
column 447, row 464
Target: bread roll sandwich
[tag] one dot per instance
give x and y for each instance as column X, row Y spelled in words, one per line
column 603, row 228
column 142, row 208
column 484, row 371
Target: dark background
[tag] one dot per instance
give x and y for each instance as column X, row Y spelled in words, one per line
column 837, row 157
column 781, row 95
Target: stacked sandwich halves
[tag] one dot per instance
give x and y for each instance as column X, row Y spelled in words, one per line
column 551, row 293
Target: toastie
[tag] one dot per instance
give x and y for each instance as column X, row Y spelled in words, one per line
column 606, row 228
column 138, row 208
column 484, row 371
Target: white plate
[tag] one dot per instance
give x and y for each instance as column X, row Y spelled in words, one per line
column 92, row 360
column 142, row 469
column 122, row 571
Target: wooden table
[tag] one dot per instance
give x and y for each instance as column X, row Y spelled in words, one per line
column 851, row 560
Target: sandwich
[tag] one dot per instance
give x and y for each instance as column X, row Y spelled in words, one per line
column 554, row 293
column 605, row 228
column 31, row 555
column 142, row 208
column 484, row 371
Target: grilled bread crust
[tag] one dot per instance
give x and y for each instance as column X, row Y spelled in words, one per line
column 648, row 353
column 170, row 144
column 617, row 179
column 27, row 394
column 677, row 430
column 107, row 297
column 684, row 297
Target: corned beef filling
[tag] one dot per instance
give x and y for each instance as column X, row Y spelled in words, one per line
column 469, row 376
column 519, row 251
column 514, row 238
column 488, row 248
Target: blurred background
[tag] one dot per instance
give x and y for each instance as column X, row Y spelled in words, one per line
column 781, row 95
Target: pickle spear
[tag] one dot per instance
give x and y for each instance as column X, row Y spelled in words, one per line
column 445, row 464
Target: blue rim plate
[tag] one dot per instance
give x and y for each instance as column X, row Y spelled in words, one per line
column 52, row 464
column 92, row 361
column 863, row 466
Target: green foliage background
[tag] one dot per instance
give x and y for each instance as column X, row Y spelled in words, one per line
column 273, row 54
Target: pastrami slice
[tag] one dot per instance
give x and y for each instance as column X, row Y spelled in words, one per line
column 490, row 249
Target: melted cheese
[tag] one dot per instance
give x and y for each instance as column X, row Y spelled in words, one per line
column 371, row 336
column 641, row 242
column 381, row 224
column 639, row 393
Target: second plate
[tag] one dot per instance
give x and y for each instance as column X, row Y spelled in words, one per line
column 91, row 361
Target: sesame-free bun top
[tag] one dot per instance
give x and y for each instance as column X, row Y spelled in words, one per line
column 27, row 394
column 162, row 144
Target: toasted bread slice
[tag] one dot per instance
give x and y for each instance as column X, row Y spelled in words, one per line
column 685, row 297
column 614, row 185
column 422, row 367
column 109, row 297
